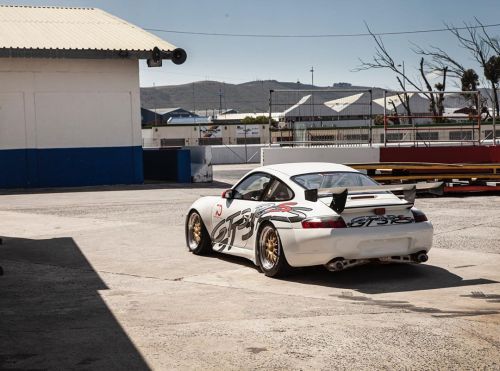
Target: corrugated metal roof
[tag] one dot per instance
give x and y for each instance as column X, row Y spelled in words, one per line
column 56, row 28
column 341, row 103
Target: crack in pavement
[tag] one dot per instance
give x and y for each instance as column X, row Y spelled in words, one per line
column 466, row 227
column 404, row 305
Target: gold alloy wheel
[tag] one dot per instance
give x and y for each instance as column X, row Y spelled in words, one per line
column 194, row 230
column 272, row 247
column 269, row 247
column 197, row 232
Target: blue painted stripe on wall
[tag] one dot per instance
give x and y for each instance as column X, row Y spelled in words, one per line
column 70, row 167
column 184, row 166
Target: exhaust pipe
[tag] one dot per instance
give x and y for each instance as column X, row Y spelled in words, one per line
column 422, row 257
column 340, row 264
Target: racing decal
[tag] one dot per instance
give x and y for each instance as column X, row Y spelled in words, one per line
column 286, row 207
column 224, row 232
column 218, row 210
column 373, row 220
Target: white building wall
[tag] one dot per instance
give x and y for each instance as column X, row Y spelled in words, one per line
column 69, row 103
column 69, row 122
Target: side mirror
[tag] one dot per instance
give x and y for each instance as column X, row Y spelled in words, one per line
column 228, row 194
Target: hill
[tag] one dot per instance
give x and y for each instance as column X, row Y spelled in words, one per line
column 250, row 96
column 253, row 96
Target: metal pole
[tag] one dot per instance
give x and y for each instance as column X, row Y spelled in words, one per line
column 479, row 119
column 270, row 113
column 494, row 128
column 370, row 136
column 385, row 118
column 312, row 93
column 246, row 153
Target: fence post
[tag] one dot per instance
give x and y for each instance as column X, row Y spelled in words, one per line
column 494, row 129
column 478, row 109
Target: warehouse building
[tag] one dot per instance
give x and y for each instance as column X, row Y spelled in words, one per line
column 69, row 96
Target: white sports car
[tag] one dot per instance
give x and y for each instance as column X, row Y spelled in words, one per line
column 304, row 214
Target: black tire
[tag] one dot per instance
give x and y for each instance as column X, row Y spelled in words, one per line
column 197, row 237
column 271, row 258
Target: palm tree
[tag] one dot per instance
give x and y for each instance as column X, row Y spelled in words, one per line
column 470, row 82
column 492, row 73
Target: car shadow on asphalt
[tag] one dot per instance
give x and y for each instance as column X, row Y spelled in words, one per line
column 372, row 278
column 385, row 278
column 52, row 315
column 233, row 260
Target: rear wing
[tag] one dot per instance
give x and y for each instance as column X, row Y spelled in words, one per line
column 339, row 194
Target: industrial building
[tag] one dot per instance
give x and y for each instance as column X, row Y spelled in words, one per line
column 69, row 96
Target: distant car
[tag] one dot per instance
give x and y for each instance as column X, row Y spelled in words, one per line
column 305, row 214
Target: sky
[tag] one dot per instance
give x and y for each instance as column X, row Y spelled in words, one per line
column 242, row 59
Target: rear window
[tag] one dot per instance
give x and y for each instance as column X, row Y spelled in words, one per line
column 334, row 179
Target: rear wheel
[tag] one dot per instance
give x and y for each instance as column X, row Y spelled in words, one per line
column 197, row 238
column 272, row 259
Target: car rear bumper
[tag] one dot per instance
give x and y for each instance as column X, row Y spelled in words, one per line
column 306, row 247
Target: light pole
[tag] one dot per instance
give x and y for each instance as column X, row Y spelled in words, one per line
column 312, row 93
column 407, row 101
column 404, row 75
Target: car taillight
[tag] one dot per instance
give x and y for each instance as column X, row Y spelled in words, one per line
column 336, row 222
column 418, row 216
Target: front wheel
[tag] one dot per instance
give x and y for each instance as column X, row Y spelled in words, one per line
column 272, row 259
column 197, row 238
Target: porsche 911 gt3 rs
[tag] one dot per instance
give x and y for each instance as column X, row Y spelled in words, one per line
column 304, row 214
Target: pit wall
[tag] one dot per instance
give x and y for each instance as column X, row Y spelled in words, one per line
column 346, row 155
column 270, row 156
column 445, row 155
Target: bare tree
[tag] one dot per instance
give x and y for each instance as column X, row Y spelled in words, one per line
column 382, row 59
column 429, row 88
column 439, row 60
column 441, row 86
column 481, row 45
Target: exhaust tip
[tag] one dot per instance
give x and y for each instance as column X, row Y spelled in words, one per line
column 422, row 257
column 336, row 265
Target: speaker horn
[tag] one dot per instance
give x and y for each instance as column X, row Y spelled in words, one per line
column 155, row 60
column 178, row 56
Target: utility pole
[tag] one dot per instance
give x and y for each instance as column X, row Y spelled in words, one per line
column 312, row 93
column 220, row 101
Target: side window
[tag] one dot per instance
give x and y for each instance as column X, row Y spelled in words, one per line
column 278, row 191
column 252, row 187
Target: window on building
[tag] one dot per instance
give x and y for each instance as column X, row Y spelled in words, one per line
column 210, row 141
column 427, row 135
column 460, row 135
column 172, row 142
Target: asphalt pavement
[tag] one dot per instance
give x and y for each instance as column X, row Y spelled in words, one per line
column 100, row 278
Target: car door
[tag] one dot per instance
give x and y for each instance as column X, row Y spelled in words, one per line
column 233, row 217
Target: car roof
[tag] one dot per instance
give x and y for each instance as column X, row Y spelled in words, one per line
column 297, row 168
